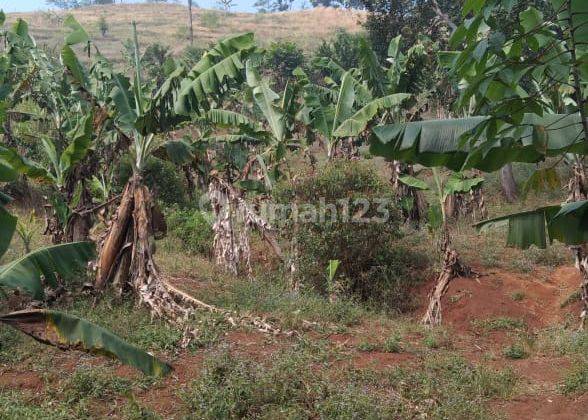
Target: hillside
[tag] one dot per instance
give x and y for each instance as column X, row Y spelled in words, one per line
column 168, row 25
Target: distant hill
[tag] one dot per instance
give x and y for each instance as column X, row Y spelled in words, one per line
column 168, row 25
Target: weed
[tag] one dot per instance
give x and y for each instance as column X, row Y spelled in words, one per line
column 515, row 351
column 17, row 405
column 499, row 324
column 517, row 296
column 457, row 387
column 576, row 380
column 392, row 345
column 366, row 346
column 93, row 382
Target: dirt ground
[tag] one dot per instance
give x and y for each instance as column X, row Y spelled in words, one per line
column 488, row 296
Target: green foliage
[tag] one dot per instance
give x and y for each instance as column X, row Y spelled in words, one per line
column 366, row 346
column 96, row 383
column 38, row 269
column 392, row 345
column 500, row 324
column 193, row 228
column 457, row 386
column 379, row 273
column 515, row 351
column 162, row 177
column 281, row 59
column 343, row 49
column 154, row 62
column 16, row 405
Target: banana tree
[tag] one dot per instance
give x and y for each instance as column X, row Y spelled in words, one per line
column 399, row 74
column 343, row 111
column 141, row 113
column 456, row 183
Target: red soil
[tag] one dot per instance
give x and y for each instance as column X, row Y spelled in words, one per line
column 467, row 300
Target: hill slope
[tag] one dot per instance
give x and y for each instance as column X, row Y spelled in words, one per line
column 168, row 25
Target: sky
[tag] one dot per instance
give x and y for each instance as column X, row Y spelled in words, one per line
column 32, row 5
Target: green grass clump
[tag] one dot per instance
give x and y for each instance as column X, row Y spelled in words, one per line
column 392, row 345
column 515, row 351
column 576, row 380
column 499, row 324
column 366, row 346
column 94, row 382
column 517, row 296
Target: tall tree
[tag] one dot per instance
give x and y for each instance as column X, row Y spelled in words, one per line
column 190, row 24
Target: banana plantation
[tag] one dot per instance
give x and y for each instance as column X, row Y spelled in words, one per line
column 400, row 234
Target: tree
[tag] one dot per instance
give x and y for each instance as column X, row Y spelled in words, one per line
column 190, row 23
column 540, row 54
column 386, row 19
column 103, row 26
column 226, row 5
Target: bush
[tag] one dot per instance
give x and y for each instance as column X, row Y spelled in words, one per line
column 192, row 228
column 373, row 267
column 343, row 49
column 282, row 58
column 163, row 178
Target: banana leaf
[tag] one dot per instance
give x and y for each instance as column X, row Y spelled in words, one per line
column 567, row 223
column 7, row 228
column 68, row 332
column 25, row 273
column 445, row 142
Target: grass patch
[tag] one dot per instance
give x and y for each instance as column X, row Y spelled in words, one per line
column 392, row 345
column 576, row 380
column 18, row 405
column 515, row 351
column 454, row 388
column 499, row 324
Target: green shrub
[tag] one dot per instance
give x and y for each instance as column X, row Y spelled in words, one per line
column 366, row 346
column 282, row 58
column 163, row 178
column 344, row 49
column 193, row 228
column 373, row 268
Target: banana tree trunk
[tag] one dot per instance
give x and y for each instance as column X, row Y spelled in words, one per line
column 581, row 256
column 578, row 191
column 126, row 256
column 418, row 207
column 508, row 183
column 452, row 267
